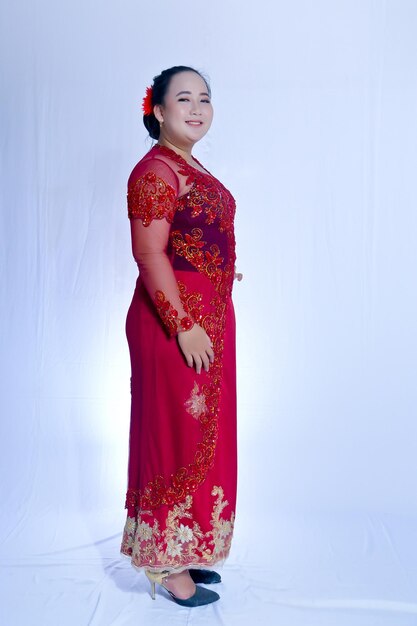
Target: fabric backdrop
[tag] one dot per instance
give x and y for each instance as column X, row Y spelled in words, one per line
column 315, row 133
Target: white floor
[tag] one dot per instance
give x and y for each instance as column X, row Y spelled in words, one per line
column 295, row 570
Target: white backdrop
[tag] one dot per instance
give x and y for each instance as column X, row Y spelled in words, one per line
column 315, row 134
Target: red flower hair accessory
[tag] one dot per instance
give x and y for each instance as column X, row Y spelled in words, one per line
column 147, row 106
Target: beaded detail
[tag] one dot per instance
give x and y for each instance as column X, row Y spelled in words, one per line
column 191, row 302
column 208, row 262
column 206, row 193
column 169, row 315
column 151, row 198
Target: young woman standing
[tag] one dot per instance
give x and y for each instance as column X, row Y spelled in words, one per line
column 182, row 470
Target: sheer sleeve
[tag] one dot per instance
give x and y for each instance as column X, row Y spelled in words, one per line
column 151, row 197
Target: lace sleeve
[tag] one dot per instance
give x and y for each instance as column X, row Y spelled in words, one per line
column 151, row 197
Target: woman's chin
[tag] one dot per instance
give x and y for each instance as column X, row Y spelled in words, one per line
column 196, row 134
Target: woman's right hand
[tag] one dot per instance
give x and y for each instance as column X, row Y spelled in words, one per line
column 197, row 347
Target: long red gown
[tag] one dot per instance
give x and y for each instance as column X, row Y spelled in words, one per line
column 182, row 469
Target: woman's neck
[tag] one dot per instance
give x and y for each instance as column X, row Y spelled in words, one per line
column 184, row 152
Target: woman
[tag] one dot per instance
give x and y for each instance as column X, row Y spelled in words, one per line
column 182, row 471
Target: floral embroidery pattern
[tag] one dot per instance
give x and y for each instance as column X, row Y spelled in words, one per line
column 151, row 198
column 208, row 262
column 196, row 403
column 182, row 541
column 207, row 193
column 169, row 315
column 191, row 301
column 212, row 198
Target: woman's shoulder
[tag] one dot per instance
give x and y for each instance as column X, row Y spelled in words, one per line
column 153, row 165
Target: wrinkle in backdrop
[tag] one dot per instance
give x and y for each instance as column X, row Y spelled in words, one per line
column 315, row 134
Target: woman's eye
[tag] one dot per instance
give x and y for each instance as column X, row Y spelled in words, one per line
column 187, row 99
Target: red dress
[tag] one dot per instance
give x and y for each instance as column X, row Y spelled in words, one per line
column 182, row 469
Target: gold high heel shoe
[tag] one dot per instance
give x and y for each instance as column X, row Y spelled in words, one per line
column 156, row 577
column 200, row 596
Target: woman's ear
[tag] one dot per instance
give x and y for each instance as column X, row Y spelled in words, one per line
column 157, row 111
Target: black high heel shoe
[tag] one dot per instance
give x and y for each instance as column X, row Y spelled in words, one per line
column 205, row 576
column 200, row 596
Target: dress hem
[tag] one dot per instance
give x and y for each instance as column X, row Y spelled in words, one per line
column 175, row 570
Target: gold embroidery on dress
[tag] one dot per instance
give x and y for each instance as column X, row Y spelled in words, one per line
column 180, row 543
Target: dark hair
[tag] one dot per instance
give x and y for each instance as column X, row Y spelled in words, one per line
column 159, row 89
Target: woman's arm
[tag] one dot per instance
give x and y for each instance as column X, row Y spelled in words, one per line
column 149, row 250
column 152, row 192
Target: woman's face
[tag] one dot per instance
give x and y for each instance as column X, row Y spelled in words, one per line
column 187, row 112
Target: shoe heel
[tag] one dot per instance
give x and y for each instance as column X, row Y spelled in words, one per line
column 200, row 596
column 155, row 577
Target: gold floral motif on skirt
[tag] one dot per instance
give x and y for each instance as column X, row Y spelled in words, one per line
column 180, row 543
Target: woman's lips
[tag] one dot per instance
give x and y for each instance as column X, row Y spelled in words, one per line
column 194, row 122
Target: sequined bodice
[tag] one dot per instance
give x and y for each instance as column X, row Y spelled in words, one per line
column 201, row 236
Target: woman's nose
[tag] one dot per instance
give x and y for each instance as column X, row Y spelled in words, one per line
column 195, row 108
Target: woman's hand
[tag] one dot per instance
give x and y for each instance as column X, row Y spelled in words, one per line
column 197, row 347
column 238, row 275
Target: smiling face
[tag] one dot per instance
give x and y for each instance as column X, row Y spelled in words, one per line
column 187, row 111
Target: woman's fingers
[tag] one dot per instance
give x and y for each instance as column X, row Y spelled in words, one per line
column 202, row 359
column 206, row 362
column 197, row 348
column 210, row 354
column 198, row 361
column 238, row 275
